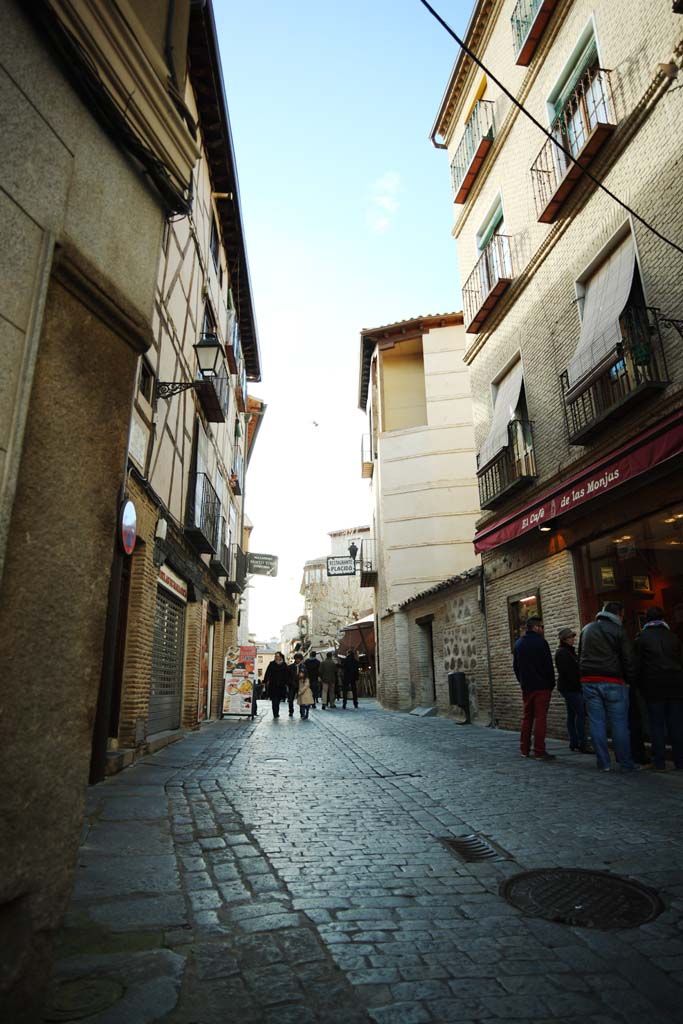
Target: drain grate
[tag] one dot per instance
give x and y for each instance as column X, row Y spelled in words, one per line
column 584, row 899
column 475, row 848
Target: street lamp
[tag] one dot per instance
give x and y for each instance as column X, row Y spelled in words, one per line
column 353, row 551
column 209, row 353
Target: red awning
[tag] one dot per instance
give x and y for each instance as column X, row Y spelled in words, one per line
column 649, row 449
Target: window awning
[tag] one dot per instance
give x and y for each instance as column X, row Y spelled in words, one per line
column 507, row 400
column 607, row 293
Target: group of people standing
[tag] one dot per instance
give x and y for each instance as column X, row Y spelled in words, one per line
column 598, row 681
column 310, row 680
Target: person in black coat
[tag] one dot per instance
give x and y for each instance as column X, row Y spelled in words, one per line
column 533, row 666
column 351, row 672
column 569, row 685
column 659, row 670
column 276, row 679
column 312, row 669
column 293, row 681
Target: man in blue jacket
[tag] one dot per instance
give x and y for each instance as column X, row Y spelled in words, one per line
column 533, row 666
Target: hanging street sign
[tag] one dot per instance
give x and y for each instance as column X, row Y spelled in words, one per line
column 261, row 565
column 342, row 565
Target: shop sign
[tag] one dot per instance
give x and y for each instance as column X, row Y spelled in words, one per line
column 169, row 580
column 343, row 565
column 261, row 565
column 128, row 526
column 592, row 484
column 238, row 697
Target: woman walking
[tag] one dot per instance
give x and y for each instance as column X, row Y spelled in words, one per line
column 305, row 695
column 275, row 681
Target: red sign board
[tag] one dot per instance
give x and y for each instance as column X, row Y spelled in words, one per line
column 636, row 458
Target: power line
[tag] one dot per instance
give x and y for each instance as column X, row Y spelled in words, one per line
column 548, row 134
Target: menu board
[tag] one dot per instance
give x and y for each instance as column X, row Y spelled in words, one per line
column 238, row 697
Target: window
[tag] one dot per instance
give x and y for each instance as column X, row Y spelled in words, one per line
column 578, row 101
column 214, row 245
column 146, row 381
column 404, row 398
column 209, row 325
column 491, row 238
column 520, row 608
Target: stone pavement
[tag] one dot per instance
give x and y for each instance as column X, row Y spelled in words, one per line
column 288, row 871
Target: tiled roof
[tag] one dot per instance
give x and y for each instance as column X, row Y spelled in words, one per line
column 469, row 574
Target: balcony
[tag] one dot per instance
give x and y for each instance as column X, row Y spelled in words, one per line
column 214, row 395
column 367, row 465
column 583, row 128
column 237, row 579
column 474, row 145
column 367, row 563
column 241, row 387
column 528, row 21
column 220, row 560
column 205, row 509
column 637, row 369
column 234, row 481
column 490, row 279
column 512, row 467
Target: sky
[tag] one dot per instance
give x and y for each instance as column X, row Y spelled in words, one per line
column 347, row 211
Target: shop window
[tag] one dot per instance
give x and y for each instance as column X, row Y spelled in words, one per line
column 640, row 563
column 520, row 609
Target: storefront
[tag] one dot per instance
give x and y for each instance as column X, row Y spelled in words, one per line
column 168, row 652
column 611, row 531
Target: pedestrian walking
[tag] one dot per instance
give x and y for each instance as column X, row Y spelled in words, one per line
column 569, row 685
column 607, row 669
column 328, row 679
column 533, row 665
column 293, row 681
column 312, row 667
column 659, row 671
column 275, row 680
column 305, row 694
column 350, row 676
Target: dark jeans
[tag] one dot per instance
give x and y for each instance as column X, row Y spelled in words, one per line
column 536, row 704
column 291, row 696
column 275, row 701
column 666, row 714
column 353, row 687
column 576, row 719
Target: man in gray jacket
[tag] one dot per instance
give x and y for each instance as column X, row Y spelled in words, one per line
column 607, row 669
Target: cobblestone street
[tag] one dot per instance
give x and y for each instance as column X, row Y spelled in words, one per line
column 288, row 871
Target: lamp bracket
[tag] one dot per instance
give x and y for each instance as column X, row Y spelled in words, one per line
column 169, row 389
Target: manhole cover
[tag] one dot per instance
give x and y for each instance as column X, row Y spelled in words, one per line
column 82, row 997
column 585, row 899
column 474, row 848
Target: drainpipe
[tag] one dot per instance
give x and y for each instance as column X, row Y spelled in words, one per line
column 492, row 723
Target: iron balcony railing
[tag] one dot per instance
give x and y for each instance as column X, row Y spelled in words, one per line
column 513, row 466
column 528, row 21
column 636, row 369
column 220, row 560
column 366, row 455
column 205, row 510
column 491, row 277
column 367, row 563
column 582, row 127
column 473, row 147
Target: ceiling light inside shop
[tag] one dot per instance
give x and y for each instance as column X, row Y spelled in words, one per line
column 525, row 600
column 671, row 519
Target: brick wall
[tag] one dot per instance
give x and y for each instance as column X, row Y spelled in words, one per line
column 554, row 578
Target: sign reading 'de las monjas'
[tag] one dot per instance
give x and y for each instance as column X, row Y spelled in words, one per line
column 261, row 565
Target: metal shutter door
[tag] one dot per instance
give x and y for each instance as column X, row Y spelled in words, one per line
column 167, row 664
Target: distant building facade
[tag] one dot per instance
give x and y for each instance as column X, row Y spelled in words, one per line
column 331, row 602
column 573, row 312
column 419, row 454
